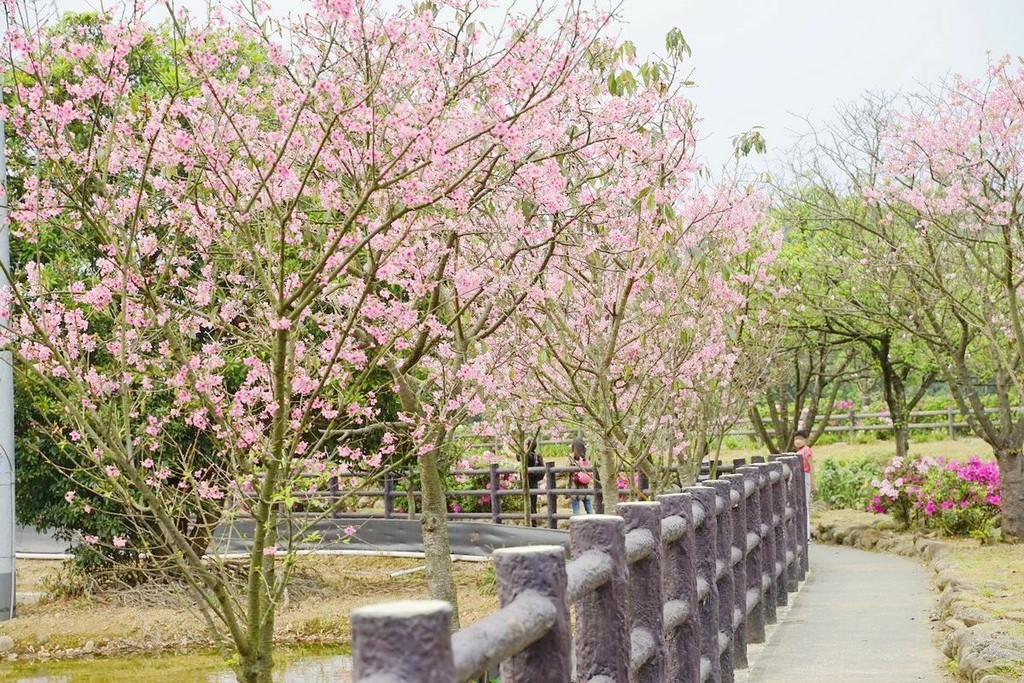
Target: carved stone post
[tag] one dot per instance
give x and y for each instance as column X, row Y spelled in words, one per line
column 755, row 557
column 407, row 640
column 540, row 569
column 645, row 601
column 602, row 627
column 705, row 535
column 679, row 589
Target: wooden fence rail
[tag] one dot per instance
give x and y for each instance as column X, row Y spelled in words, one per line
column 670, row 590
column 850, row 423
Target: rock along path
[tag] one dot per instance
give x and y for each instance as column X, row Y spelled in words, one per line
column 859, row 616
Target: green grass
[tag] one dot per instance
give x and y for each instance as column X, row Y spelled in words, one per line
column 309, row 663
column 960, row 449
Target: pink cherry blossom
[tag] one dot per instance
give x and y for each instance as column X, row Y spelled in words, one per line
column 388, row 200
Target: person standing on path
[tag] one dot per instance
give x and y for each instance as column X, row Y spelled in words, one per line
column 807, row 457
column 533, row 459
column 580, row 480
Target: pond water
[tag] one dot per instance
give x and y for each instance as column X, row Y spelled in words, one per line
column 305, row 665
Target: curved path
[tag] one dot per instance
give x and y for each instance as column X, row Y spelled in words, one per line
column 859, row 616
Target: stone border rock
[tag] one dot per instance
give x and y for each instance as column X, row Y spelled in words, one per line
column 982, row 645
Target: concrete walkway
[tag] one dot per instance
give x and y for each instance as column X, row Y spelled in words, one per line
column 859, row 616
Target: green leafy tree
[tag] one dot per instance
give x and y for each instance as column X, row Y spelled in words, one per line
column 930, row 188
column 831, row 241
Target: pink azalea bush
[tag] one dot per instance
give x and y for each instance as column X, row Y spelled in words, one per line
column 897, row 491
column 956, row 498
column 961, row 498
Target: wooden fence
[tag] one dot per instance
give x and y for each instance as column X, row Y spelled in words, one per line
column 850, row 423
column 671, row 590
column 950, row 420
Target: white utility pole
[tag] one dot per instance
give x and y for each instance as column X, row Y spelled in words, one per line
column 7, row 524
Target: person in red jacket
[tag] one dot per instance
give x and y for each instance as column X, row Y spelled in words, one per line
column 807, row 456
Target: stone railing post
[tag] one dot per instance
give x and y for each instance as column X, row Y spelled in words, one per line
column 679, row 590
column 755, row 556
column 645, row 601
column 705, row 535
column 389, row 495
column 643, row 484
column 602, row 635
column 739, row 570
column 802, row 529
column 775, row 475
column 408, row 640
column 540, row 569
column 726, row 585
column 789, row 464
column 768, row 543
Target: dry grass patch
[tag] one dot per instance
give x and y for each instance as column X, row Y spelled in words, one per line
column 850, row 518
column 997, row 571
column 326, row 590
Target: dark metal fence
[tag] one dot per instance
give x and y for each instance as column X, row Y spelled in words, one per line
column 671, row 590
column 394, row 490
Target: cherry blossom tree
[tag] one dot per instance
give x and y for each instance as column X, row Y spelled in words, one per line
column 635, row 318
column 920, row 200
column 953, row 178
column 288, row 211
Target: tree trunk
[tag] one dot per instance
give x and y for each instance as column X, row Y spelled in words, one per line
column 901, row 434
column 1011, row 479
column 256, row 662
column 437, row 550
column 762, row 432
column 895, row 396
column 606, row 471
column 255, row 668
column 436, row 546
column 894, row 392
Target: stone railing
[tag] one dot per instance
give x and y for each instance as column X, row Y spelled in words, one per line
column 671, row 590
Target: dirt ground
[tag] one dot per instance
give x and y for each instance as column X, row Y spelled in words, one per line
column 326, row 590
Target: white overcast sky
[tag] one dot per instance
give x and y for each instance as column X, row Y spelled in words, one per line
column 767, row 62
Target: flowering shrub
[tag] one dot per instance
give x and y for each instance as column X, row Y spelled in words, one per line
column 897, row 492
column 458, row 481
column 626, row 483
column 955, row 498
column 961, row 498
